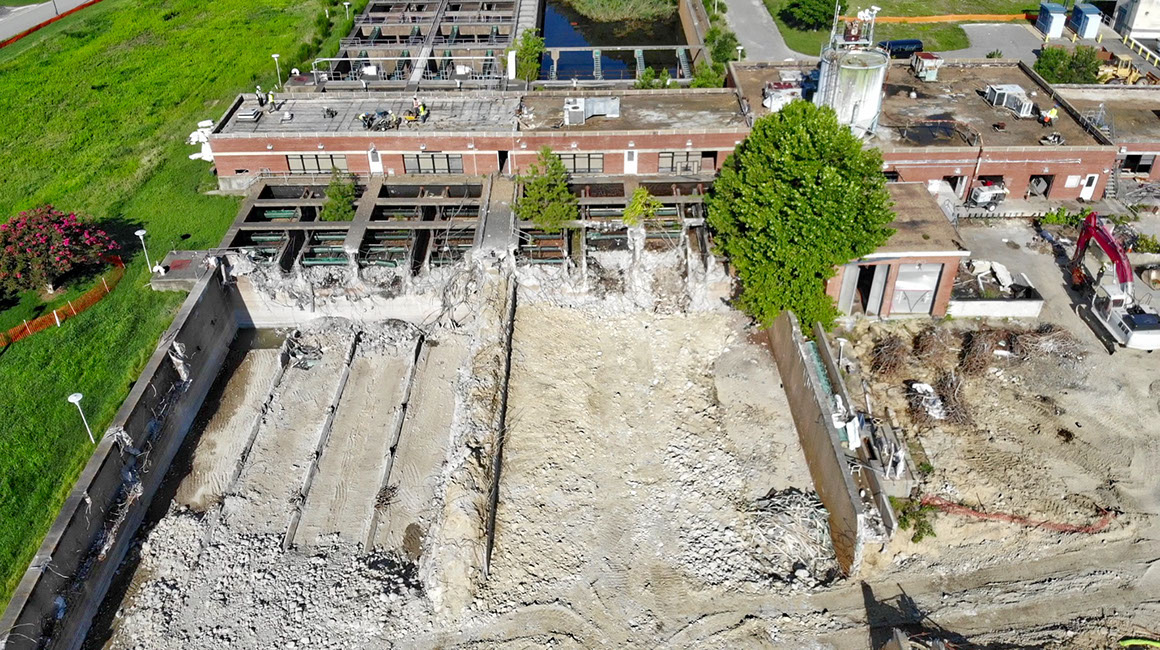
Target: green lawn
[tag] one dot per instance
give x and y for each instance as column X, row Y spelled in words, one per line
column 96, row 109
column 942, row 37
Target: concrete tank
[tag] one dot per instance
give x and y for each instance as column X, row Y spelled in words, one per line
column 851, row 83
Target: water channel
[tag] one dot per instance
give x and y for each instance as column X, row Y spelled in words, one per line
column 565, row 27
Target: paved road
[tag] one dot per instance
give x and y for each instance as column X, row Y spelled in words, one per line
column 14, row 20
column 757, row 31
column 1015, row 40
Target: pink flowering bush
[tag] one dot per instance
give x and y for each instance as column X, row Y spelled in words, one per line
column 40, row 246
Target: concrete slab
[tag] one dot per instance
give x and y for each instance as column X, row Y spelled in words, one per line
column 342, row 497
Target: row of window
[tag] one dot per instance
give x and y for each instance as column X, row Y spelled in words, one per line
column 671, row 162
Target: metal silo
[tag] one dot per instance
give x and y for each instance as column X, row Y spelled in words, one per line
column 850, row 82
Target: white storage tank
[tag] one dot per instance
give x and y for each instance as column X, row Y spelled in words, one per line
column 850, row 82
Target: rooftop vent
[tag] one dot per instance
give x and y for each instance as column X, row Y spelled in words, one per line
column 1010, row 96
column 579, row 109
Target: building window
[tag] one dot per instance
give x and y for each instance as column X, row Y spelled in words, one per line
column 583, row 163
column 1139, row 164
column 915, row 288
column 680, row 162
column 315, row 164
column 433, row 163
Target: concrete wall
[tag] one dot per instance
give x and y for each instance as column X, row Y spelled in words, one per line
column 810, row 406
column 258, row 308
column 70, row 574
column 995, row 308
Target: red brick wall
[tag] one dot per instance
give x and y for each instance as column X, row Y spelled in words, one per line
column 262, row 152
column 1145, row 148
column 1016, row 167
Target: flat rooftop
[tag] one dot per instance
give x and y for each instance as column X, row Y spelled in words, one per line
column 957, row 97
column 459, row 112
column 684, row 110
column 1134, row 110
column 919, row 225
column 493, row 112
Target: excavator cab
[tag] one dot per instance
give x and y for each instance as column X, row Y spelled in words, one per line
column 1109, row 296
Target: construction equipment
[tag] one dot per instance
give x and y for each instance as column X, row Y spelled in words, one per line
column 1120, row 70
column 987, row 196
column 1129, row 323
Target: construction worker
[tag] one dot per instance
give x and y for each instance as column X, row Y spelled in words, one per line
column 261, row 97
column 270, row 98
column 423, row 113
column 1050, row 116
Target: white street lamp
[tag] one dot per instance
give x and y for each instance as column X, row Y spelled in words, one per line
column 739, row 48
column 141, row 235
column 346, row 5
column 277, row 70
column 75, row 398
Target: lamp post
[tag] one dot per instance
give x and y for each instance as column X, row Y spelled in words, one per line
column 277, row 70
column 739, row 48
column 75, row 398
column 346, row 5
column 141, row 235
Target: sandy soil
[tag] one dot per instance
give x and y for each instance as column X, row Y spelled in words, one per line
column 227, row 433
column 342, row 497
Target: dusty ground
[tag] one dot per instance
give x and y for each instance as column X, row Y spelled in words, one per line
column 1050, row 440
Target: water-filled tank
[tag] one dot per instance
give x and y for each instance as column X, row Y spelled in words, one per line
column 851, row 83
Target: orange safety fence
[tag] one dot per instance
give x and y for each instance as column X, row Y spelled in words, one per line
column 958, row 509
column 950, row 18
column 109, row 281
column 36, row 28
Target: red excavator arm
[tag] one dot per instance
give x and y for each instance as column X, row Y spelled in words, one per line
column 1096, row 228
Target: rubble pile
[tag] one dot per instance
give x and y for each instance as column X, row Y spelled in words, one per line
column 793, row 535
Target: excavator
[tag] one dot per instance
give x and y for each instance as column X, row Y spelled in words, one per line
column 1128, row 322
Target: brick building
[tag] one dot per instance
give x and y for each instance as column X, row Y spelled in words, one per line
column 1130, row 116
column 675, row 133
column 913, row 273
column 945, row 131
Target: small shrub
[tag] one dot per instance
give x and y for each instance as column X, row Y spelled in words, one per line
column 709, row 75
column 1147, row 244
column 995, row 54
column 650, row 79
column 1061, row 217
column 642, row 207
column 340, row 196
column 546, row 200
column 925, row 468
column 913, row 514
column 529, row 52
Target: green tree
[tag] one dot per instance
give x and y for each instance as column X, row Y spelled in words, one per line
column 809, row 14
column 1058, row 66
column 340, row 197
column 708, row 75
column 799, row 197
column 529, row 52
column 722, row 43
column 650, row 79
column 641, row 207
column 547, row 201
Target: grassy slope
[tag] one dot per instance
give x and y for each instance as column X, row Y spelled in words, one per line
column 96, row 110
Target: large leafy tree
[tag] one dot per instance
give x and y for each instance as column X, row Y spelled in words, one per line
column 810, row 14
column 798, row 198
column 39, row 247
column 547, row 200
